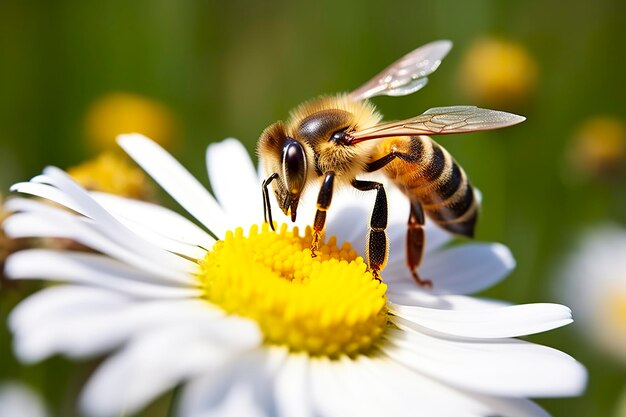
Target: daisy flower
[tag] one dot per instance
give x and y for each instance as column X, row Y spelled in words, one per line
column 593, row 280
column 252, row 325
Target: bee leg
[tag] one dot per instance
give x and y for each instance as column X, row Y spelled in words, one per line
column 382, row 162
column 324, row 199
column 377, row 244
column 415, row 243
column 390, row 157
column 267, row 209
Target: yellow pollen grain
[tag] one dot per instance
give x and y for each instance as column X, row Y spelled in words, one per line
column 328, row 305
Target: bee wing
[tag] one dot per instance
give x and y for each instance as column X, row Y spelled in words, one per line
column 406, row 75
column 441, row 121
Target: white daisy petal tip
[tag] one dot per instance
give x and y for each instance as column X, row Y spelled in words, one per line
column 230, row 168
column 177, row 181
column 125, row 138
column 465, row 268
column 18, row 399
column 229, row 141
column 49, row 170
column 505, row 255
column 490, row 322
column 27, row 354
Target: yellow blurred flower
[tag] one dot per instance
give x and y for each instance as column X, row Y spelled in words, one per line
column 118, row 113
column 498, row 73
column 598, row 147
column 593, row 282
column 113, row 173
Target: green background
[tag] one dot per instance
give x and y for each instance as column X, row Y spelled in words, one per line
column 229, row 69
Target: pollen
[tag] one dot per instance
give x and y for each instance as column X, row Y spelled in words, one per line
column 328, row 305
column 113, row 173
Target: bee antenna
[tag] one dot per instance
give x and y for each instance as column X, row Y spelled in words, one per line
column 267, row 209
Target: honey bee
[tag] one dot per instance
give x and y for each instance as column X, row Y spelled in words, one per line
column 328, row 141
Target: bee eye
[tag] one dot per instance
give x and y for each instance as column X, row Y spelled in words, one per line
column 294, row 166
column 339, row 137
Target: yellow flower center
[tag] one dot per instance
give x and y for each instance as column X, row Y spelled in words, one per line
column 325, row 305
column 113, row 173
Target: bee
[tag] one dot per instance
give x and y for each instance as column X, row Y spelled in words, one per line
column 331, row 140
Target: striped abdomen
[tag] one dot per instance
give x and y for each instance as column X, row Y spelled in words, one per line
column 428, row 174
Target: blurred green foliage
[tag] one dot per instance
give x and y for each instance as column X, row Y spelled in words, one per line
column 232, row 68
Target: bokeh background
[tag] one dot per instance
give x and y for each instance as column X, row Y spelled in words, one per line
column 192, row 72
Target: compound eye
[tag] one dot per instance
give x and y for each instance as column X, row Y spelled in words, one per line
column 339, row 137
column 294, row 166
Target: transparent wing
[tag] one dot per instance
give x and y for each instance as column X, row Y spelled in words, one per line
column 441, row 121
column 406, row 75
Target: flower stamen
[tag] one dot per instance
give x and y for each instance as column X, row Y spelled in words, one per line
column 327, row 305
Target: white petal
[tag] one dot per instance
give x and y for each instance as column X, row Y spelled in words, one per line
column 155, row 217
column 106, row 223
column 220, row 395
column 103, row 222
column 241, row 389
column 436, row 237
column 397, row 269
column 498, row 322
column 513, row 407
column 157, row 361
column 44, row 191
column 505, row 367
column 160, row 221
column 37, row 321
column 436, row 398
column 176, row 180
column 476, row 266
column 81, row 321
column 462, row 269
column 360, row 382
column 131, row 213
column 349, row 224
column 91, row 269
column 292, row 391
column 398, row 204
column 378, row 386
column 405, row 388
column 57, row 223
column 16, row 399
column 234, row 182
column 329, row 396
column 409, row 294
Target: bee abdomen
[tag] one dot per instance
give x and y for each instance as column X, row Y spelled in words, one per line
column 429, row 174
column 458, row 213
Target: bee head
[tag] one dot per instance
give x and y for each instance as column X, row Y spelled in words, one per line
column 286, row 158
